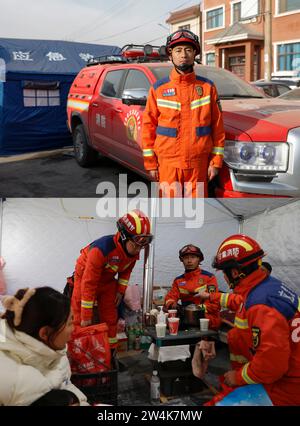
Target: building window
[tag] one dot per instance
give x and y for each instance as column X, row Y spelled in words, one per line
column 288, row 5
column 184, row 27
column 211, row 59
column 41, row 98
column 236, row 12
column 215, row 18
column 288, row 57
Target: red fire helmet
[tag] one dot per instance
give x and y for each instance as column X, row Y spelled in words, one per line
column 135, row 225
column 183, row 36
column 190, row 249
column 237, row 251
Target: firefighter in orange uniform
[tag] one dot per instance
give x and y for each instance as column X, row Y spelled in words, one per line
column 183, row 134
column 267, row 322
column 194, row 280
column 100, row 262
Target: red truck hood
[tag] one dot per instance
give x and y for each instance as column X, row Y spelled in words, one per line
column 261, row 119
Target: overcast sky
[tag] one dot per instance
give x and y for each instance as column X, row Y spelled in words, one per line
column 116, row 22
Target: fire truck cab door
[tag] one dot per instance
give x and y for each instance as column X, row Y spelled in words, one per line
column 128, row 120
column 103, row 105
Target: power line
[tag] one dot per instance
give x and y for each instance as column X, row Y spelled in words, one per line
column 139, row 26
column 92, row 25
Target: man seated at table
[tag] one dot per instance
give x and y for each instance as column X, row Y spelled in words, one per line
column 194, row 280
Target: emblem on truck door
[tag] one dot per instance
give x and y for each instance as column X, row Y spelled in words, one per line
column 132, row 123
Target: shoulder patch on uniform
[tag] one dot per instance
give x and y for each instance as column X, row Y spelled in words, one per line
column 160, row 82
column 205, row 80
column 105, row 244
column 274, row 293
column 255, row 337
column 209, row 274
column 199, row 90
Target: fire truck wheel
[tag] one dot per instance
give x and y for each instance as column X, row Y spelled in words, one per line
column 84, row 154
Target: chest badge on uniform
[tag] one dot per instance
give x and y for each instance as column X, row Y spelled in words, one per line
column 255, row 337
column 201, row 281
column 199, row 90
column 169, row 92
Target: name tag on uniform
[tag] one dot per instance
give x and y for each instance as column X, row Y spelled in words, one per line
column 169, row 92
column 199, row 90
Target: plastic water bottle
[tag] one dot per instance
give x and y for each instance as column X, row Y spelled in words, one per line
column 155, row 388
column 161, row 317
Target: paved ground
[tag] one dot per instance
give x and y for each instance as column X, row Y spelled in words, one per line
column 58, row 175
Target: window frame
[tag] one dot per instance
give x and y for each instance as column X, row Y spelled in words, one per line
column 278, row 14
column 231, row 11
column 211, row 9
column 206, row 55
column 276, row 53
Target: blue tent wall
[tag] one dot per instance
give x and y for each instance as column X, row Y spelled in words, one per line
column 28, row 129
column 1, row 112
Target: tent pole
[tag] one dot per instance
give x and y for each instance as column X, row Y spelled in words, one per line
column 149, row 264
column 241, row 222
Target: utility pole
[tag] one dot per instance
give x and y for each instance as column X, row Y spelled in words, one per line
column 268, row 39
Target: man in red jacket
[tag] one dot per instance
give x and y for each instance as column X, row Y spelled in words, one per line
column 183, row 134
column 194, row 280
column 98, row 265
column 267, row 322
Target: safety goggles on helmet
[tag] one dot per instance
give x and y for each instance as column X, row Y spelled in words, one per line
column 184, row 36
column 141, row 240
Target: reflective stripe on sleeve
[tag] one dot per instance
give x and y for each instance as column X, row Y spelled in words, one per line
column 246, row 377
column 224, row 300
column 148, row 152
column 240, row 323
column 218, row 150
column 87, row 304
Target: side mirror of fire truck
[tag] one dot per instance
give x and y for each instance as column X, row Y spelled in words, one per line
column 135, row 96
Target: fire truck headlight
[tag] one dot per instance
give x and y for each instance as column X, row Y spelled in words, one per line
column 257, row 156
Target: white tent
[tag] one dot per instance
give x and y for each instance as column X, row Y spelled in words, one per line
column 40, row 239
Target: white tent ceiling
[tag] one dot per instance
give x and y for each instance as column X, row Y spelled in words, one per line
column 41, row 238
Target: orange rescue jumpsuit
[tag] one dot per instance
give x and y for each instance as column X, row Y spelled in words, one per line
column 183, row 131
column 270, row 313
column 94, row 279
column 188, row 284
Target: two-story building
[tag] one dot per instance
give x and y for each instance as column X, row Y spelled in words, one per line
column 232, row 34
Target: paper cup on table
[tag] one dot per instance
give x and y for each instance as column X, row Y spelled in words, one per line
column 160, row 329
column 204, row 324
column 172, row 313
column 173, row 326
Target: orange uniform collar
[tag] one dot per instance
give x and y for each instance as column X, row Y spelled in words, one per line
column 182, row 78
